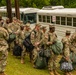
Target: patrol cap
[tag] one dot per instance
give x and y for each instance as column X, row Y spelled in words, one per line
column 51, row 26
column 68, row 31
column 43, row 27
column 27, row 25
column 38, row 25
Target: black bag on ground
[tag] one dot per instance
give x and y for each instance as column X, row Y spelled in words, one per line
column 17, row 50
column 40, row 62
column 27, row 43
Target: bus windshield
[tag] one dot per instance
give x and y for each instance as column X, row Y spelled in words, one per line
column 30, row 18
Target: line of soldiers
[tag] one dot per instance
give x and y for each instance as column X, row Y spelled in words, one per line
column 39, row 37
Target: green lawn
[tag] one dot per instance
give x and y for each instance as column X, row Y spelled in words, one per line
column 14, row 67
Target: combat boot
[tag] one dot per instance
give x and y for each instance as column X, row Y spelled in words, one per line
column 56, row 73
column 51, row 73
column 70, row 73
column 2, row 73
column 66, row 73
column 22, row 61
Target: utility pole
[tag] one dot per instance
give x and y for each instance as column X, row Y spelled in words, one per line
column 9, row 10
column 17, row 9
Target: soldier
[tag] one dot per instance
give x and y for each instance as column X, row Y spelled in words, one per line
column 52, row 63
column 36, row 41
column 5, row 25
column 26, row 34
column 3, row 49
column 1, row 21
column 73, row 48
column 13, row 28
column 66, row 54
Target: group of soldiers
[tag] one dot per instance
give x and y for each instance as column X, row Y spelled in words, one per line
column 40, row 37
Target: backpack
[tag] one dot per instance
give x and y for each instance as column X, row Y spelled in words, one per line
column 27, row 43
column 57, row 47
column 17, row 50
column 12, row 37
column 73, row 57
column 45, row 53
column 40, row 62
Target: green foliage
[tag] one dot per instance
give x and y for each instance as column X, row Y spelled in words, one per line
column 41, row 3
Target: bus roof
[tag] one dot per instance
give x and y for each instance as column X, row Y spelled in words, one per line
column 24, row 10
column 65, row 11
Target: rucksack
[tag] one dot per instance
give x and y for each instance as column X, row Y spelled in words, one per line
column 17, row 50
column 40, row 62
column 12, row 37
column 27, row 43
column 73, row 57
column 57, row 47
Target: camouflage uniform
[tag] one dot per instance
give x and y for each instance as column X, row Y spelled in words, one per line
column 66, row 49
column 13, row 28
column 52, row 64
column 73, row 42
column 3, row 48
column 73, row 47
column 26, row 33
column 37, row 39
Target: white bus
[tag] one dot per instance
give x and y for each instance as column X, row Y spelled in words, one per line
column 26, row 14
column 62, row 18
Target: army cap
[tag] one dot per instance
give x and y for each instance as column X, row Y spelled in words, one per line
column 38, row 25
column 68, row 31
column 27, row 25
column 51, row 26
column 43, row 27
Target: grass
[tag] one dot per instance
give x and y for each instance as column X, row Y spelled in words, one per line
column 14, row 67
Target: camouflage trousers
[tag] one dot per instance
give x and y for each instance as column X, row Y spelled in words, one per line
column 23, row 52
column 3, row 57
column 53, row 62
column 35, row 53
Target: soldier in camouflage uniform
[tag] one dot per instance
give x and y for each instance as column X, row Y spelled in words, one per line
column 36, row 41
column 66, row 50
column 52, row 63
column 73, row 47
column 3, row 49
column 1, row 21
column 27, row 31
column 13, row 28
column 5, row 25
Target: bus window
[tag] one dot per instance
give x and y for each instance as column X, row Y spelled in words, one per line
column 40, row 20
column 48, row 19
column 44, row 19
column 69, row 21
column 58, row 20
column 74, row 22
column 22, row 16
column 25, row 19
column 30, row 17
column 63, row 21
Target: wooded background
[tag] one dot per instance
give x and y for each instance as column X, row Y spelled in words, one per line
column 41, row 3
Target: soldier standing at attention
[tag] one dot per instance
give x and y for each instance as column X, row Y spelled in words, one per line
column 3, row 49
column 52, row 63
column 66, row 64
